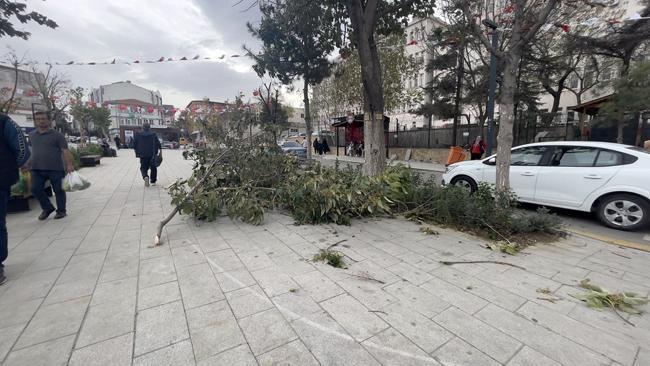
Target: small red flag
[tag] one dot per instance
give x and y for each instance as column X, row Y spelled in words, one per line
column 161, row 59
column 195, row 57
column 113, row 62
column 136, row 62
column 412, row 43
column 184, row 58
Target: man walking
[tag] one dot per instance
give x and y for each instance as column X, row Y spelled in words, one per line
column 51, row 160
column 13, row 154
column 147, row 147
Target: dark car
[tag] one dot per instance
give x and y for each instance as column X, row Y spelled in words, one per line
column 293, row 148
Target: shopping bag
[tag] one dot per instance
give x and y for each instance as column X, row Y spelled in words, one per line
column 74, row 182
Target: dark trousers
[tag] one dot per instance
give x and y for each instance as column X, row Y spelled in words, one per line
column 4, row 249
column 476, row 156
column 39, row 177
column 147, row 164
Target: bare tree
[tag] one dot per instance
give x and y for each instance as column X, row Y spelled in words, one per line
column 52, row 88
column 8, row 104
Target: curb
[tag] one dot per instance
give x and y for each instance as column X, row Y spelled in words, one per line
column 608, row 240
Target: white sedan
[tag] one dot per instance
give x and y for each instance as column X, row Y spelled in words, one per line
column 609, row 179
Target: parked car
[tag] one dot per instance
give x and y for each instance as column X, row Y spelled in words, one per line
column 610, row 180
column 170, row 145
column 294, row 148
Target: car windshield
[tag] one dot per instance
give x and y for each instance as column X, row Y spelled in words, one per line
column 291, row 144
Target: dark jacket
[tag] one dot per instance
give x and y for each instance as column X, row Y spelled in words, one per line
column 14, row 151
column 146, row 144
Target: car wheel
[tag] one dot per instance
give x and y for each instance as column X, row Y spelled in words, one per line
column 624, row 212
column 465, row 183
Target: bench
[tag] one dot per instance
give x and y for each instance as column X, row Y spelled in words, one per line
column 90, row 160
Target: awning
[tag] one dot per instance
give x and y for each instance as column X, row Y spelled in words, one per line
column 591, row 107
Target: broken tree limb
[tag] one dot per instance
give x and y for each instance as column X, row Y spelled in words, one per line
column 447, row 263
column 157, row 238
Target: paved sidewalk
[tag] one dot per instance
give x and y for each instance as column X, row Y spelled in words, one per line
column 434, row 167
column 86, row 290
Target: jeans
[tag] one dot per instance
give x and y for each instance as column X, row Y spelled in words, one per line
column 147, row 164
column 4, row 249
column 39, row 177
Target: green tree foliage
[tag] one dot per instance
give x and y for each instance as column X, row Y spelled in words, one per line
column 632, row 97
column 366, row 20
column 297, row 37
column 89, row 119
column 344, row 90
column 12, row 11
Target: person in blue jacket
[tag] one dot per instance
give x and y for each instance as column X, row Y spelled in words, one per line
column 14, row 153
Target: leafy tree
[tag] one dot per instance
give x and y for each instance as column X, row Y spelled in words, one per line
column 101, row 119
column 528, row 17
column 367, row 19
column 273, row 117
column 89, row 118
column 344, row 88
column 621, row 41
column 297, row 37
column 12, row 11
column 632, row 98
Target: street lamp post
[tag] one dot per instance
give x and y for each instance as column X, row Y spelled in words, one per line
column 492, row 85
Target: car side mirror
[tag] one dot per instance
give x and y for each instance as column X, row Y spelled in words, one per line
column 491, row 161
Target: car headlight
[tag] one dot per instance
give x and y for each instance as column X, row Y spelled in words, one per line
column 450, row 168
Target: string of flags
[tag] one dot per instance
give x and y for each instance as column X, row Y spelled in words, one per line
column 116, row 61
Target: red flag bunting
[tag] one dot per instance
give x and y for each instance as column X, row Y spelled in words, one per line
column 161, row 59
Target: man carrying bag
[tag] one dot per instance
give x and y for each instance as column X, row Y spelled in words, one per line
column 148, row 150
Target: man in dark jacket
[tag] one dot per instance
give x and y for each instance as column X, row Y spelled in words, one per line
column 14, row 153
column 147, row 147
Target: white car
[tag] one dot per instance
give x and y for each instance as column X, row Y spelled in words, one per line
column 611, row 180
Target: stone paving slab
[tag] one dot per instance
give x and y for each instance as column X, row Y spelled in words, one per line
column 87, row 290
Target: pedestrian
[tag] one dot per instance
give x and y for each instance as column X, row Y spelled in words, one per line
column 316, row 145
column 51, row 159
column 117, row 141
column 325, row 146
column 305, row 143
column 477, row 149
column 14, row 153
column 147, row 148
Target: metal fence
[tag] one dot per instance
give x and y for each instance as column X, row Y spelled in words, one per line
column 442, row 137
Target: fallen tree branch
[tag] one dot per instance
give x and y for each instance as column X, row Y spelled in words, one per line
column 447, row 263
column 337, row 243
column 366, row 277
column 157, row 238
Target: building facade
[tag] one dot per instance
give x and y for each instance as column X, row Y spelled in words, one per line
column 25, row 99
column 130, row 105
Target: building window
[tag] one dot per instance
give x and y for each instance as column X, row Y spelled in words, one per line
column 571, row 116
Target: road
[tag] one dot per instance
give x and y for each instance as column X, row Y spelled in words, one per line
column 576, row 222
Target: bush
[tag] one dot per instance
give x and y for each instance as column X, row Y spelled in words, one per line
column 250, row 181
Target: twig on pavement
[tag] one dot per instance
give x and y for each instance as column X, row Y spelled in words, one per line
column 447, row 263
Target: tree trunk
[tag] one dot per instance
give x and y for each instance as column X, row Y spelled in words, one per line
column 305, row 93
column 374, row 145
column 639, row 131
column 506, row 119
column 619, row 135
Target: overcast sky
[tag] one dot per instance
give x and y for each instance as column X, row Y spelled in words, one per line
column 128, row 30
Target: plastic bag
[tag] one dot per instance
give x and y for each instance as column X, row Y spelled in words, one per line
column 74, row 182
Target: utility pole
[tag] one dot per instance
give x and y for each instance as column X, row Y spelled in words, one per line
column 492, row 85
column 459, row 86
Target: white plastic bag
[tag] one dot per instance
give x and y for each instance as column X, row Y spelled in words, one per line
column 74, row 182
